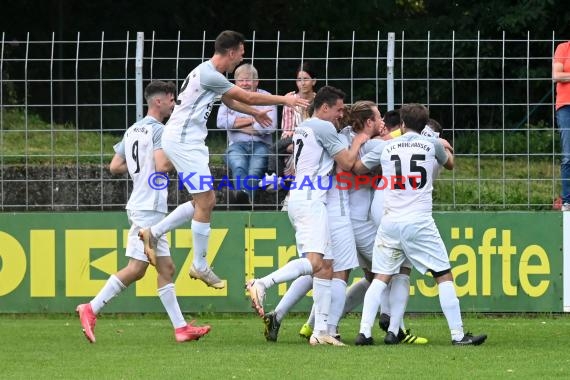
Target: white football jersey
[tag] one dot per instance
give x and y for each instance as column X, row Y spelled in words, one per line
column 315, row 143
column 337, row 195
column 337, row 201
column 138, row 146
column 408, row 166
column 360, row 199
column 201, row 88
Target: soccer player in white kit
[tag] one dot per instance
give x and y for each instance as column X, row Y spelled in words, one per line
column 317, row 147
column 184, row 144
column 140, row 153
column 365, row 119
column 343, row 253
column 407, row 230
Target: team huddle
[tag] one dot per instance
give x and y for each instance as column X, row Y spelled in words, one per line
column 385, row 232
column 336, row 232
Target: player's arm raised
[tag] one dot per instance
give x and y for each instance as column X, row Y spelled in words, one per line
column 444, row 154
column 347, row 157
column 359, row 168
column 259, row 99
column 450, row 163
column 370, row 162
column 261, row 116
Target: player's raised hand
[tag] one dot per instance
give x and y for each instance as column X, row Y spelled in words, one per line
column 262, row 117
column 293, row 101
column 360, row 139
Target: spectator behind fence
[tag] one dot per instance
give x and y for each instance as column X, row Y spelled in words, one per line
column 249, row 142
column 292, row 117
column 561, row 75
column 281, row 164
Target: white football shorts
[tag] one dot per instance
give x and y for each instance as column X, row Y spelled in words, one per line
column 191, row 162
column 343, row 247
column 135, row 246
column 364, row 236
column 418, row 241
column 309, row 218
column 377, row 207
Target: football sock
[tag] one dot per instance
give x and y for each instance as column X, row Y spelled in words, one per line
column 200, row 237
column 111, row 289
column 371, row 305
column 385, row 301
column 338, row 298
column 355, row 295
column 167, row 296
column 450, row 307
column 290, row 271
column 311, row 318
column 322, row 301
column 399, row 293
column 296, row 291
column 180, row 215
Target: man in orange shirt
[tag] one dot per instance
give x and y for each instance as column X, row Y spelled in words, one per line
column 561, row 75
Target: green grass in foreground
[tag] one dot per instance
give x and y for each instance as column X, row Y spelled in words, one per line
column 133, row 347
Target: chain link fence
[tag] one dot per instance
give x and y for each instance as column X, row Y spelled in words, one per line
column 65, row 102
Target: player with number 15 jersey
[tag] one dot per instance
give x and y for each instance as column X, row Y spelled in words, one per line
column 407, row 164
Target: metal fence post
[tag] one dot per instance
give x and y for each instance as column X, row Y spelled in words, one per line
column 139, row 74
column 390, row 70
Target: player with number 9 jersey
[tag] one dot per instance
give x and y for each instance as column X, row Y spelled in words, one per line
column 137, row 146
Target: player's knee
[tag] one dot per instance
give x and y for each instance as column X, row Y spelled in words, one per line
column 343, row 275
column 324, row 272
column 205, row 202
column 322, row 268
column 166, row 270
column 137, row 273
column 134, row 271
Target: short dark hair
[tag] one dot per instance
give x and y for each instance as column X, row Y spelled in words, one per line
column 328, row 95
column 392, row 119
column 435, row 126
column 415, row 116
column 306, row 67
column 158, row 87
column 227, row 40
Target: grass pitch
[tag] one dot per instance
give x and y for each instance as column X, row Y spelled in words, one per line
column 135, row 347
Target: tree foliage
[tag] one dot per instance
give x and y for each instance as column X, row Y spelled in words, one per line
column 414, row 18
column 540, row 17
